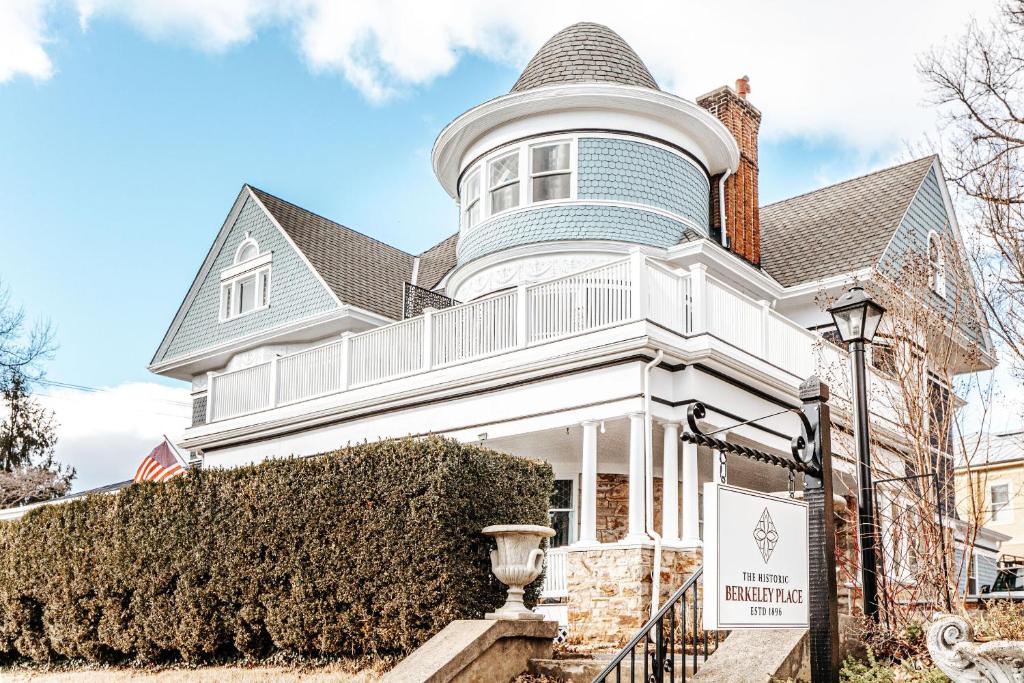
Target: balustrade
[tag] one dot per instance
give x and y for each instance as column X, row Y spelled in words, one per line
column 635, row 288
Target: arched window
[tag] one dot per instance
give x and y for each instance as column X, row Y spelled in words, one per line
column 247, row 250
column 936, row 264
column 245, row 285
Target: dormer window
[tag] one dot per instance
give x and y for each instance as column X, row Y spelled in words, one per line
column 503, row 182
column 936, row 264
column 245, row 286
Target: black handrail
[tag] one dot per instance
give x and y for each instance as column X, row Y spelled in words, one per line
column 659, row 649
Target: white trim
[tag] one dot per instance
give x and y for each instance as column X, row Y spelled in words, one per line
column 671, row 215
column 263, row 336
column 481, row 165
column 263, row 259
column 291, row 243
column 1007, row 510
column 939, row 285
column 654, row 112
column 201, row 275
column 247, row 242
column 954, row 226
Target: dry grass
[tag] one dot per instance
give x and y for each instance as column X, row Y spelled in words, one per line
column 333, row 673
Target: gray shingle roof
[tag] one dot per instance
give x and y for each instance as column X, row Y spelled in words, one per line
column 585, row 53
column 436, row 262
column 840, row 228
column 361, row 271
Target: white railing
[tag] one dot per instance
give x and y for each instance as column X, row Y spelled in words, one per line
column 580, row 302
column 241, row 392
column 668, row 298
column 734, row 317
column 556, row 583
column 313, row 372
column 386, row 352
column 635, row 288
column 474, row 330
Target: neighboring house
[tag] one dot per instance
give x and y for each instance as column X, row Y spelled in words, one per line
column 990, row 485
column 611, row 266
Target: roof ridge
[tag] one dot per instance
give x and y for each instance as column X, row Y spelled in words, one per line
column 437, row 244
column 850, row 180
column 333, row 222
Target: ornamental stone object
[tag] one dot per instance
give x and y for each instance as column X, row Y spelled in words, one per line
column 950, row 643
column 517, row 562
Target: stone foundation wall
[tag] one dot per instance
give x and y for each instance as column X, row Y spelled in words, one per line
column 613, row 506
column 610, row 590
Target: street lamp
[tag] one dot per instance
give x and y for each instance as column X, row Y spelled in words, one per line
column 856, row 316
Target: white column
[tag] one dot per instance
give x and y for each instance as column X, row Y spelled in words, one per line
column 588, row 484
column 635, row 532
column 691, row 519
column 670, row 484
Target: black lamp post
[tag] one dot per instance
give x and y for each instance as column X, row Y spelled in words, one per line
column 856, row 316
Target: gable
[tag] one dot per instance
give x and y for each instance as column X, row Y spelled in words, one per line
column 837, row 229
column 927, row 212
column 295, row 290
column 360, row 270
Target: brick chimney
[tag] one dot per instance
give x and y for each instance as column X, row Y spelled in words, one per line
column 742, row 220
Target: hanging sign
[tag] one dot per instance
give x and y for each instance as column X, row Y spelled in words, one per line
column 755, row 560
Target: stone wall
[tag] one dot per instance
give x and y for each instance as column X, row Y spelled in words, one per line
column 613, row 506
column 610, row 590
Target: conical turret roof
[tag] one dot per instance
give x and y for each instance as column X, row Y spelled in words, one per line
column 585, row 53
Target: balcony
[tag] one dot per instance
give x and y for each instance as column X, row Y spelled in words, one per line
column 688, row 303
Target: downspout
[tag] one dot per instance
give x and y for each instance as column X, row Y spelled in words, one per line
column 649, row 483
column 721, row 205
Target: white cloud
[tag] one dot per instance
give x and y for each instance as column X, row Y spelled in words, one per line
column 22, row 39
column 105, row 434
column 818, row 69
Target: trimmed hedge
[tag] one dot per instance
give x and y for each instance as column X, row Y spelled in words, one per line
column 367, row 550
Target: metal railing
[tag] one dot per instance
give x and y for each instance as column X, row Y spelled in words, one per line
column 670, row 646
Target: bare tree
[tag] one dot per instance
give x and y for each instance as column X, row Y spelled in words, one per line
column 22, row 351
column 28, row 432
column 921, row 366
column 978, row 84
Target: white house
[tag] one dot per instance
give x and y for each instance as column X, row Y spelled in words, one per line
column 611, row 266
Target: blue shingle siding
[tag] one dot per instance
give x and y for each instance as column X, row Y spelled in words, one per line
column 631, row 171
column 574, row 222
column 295, row 291
column 987, row 569
column 927, row 212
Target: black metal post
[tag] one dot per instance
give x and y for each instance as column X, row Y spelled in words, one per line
column 865, row 509
column 823, row 601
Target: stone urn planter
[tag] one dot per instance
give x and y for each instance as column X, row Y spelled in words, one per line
column 517, row 562
column 950, row 643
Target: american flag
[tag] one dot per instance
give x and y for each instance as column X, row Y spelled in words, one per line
column 160, row 465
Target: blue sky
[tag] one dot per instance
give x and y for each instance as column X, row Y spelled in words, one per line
column 118, row 172
column 128, row 126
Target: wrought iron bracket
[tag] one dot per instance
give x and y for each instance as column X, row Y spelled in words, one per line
column 800, row 463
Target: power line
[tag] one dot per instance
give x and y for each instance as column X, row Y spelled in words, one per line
column 131, row 409
column 93, row 390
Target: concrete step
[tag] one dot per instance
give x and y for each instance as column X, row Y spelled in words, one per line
column 583, row 669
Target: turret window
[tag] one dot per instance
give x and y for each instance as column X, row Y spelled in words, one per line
column 503, row 174
column 517, row 176
column 550, row 172
column 471, row 200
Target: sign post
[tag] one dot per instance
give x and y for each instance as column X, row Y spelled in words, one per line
column 755, row 560
column 824, row 630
